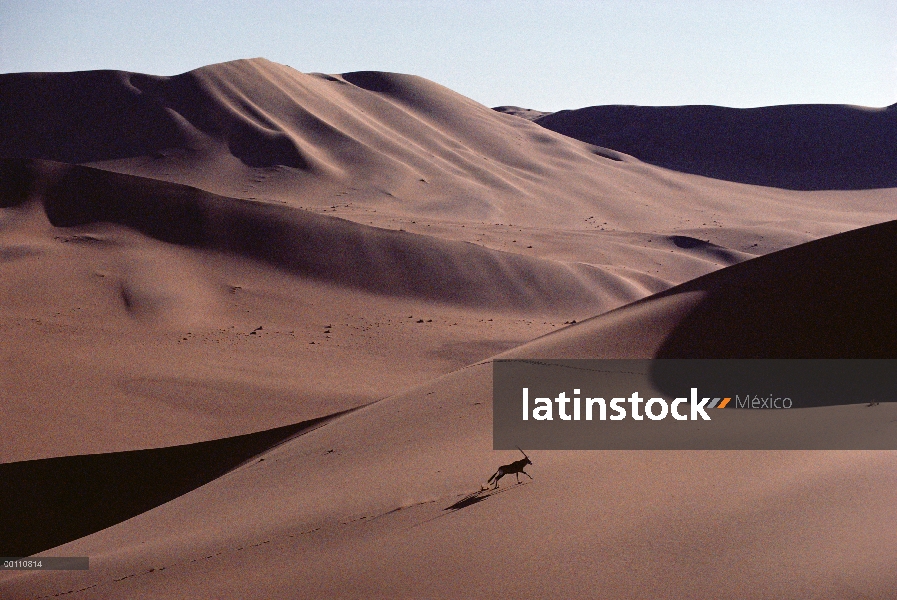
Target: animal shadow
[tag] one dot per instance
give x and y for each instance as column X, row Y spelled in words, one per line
column 468, row 500
column 479, row 496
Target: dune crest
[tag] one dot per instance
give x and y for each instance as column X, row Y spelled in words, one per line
column 798, row 147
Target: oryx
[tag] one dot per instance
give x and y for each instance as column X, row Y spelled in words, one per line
column 517, row 467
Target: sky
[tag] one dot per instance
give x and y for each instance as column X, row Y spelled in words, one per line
column 545, row 55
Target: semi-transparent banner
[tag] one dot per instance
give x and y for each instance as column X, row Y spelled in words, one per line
column 701, row 404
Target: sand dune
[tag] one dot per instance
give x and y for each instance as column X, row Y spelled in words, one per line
column 245, row 248
column 247, row 195
column 349, row 515
column 385, row 148
column 800, row 147
column 127, row 342
column 316, row 246
column 138, row 302
column 378, row 130
column 824, row 299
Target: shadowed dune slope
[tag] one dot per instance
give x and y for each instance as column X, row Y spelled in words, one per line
column 48, row 502
column 800, row 147
column 81, row 117
column 322, row 247
column 829, row 298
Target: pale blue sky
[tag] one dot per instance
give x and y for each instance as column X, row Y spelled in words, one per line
column 544, row 55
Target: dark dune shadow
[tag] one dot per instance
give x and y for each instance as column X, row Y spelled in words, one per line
column 684, row 241
column 810, row 383
column 91, row 116
column 605, row 153
column 48, row 502
column 830, row 298
column 373, row 81
column 16, row 181
column 800, row 147
column 83, row 117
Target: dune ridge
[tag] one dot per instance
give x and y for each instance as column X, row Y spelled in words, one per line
column 798, row 147
column 385, row 129
column 318, row 246
column 381, row 142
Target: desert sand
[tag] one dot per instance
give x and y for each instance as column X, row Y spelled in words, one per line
column 249, row 316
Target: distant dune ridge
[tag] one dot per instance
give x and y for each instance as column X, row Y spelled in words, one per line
column 800, row 147
column 241, row 251
column 376, row 128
